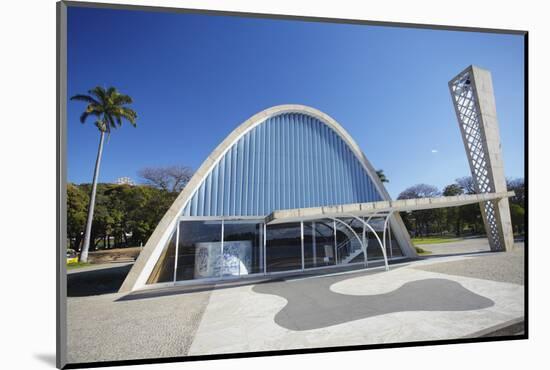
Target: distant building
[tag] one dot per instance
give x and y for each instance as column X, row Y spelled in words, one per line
column 125, row 181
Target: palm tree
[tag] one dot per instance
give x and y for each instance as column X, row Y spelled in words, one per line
column 109, row 108
column 381, row 176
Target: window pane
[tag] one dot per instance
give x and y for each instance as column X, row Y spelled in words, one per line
column 242, row 248
column 319, row 243
column 199, row 250
column 284, row 247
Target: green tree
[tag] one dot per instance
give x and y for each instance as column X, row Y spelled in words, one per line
column 424, row 220
column 103, row 222
column 518, row 187
column 382, row 176
column 77, row 201
column 453, row 218
column 127, row 214
column 470, row 214
column 109, row 107
column 517, row 214
column 517, row 204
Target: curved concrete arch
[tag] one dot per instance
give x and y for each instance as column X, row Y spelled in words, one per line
column 143, row 266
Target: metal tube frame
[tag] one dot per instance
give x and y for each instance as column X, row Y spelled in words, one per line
column 382, row 245
column 353, row 231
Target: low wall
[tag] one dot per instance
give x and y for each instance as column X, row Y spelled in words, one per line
column 114, row 255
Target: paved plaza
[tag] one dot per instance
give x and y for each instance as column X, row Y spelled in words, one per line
column 438, row 297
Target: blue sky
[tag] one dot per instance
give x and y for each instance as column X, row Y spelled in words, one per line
column 194, row 78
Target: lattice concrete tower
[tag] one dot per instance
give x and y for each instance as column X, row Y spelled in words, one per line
column 474, row 102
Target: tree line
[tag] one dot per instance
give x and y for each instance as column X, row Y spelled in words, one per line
column 125, row 215
column 458, row 221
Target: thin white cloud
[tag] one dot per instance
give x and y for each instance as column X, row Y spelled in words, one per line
column 435, row 150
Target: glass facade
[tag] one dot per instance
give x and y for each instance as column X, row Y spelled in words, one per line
column 374, row 252
column 319, row 245
column 242, row 248
column 221, row 249
column 283, row 247
column 199, row 250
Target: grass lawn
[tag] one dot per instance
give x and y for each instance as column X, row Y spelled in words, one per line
column 422, row 252
column 434, row 240
column 72, row 266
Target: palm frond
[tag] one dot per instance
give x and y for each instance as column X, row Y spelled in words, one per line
column 129, row 114
column 111, row 91
column 109, row 106
column 121, row 99
column 91, row 110
column 97, row 108
column 98, row 92
column 111, row 121
column 83, row 116
column 84, row 98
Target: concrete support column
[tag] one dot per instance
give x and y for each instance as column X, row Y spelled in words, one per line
column 474, row 103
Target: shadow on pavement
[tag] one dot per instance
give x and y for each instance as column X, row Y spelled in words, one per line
column 96, row 282
column 176, row 290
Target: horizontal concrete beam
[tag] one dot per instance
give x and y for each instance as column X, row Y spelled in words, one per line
column 368, row 209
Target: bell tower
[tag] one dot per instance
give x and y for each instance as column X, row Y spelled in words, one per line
column 474, row 103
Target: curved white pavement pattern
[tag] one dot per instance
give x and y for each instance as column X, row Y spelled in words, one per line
column 241, row 320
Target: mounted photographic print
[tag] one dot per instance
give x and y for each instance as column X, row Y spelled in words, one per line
column 235, row 184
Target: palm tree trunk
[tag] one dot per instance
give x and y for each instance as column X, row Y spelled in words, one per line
column 87, row 234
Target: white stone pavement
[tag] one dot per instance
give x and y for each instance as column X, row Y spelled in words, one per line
column 241, row 320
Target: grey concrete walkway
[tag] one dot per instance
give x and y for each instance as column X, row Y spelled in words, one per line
column 103, row 328
column 505, row 267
